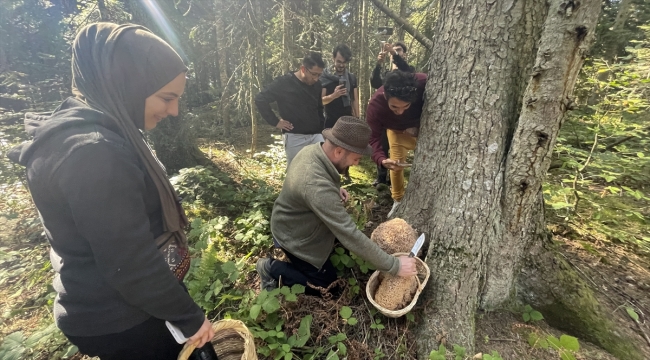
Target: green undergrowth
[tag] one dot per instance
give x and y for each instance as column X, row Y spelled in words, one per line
column 229, row 206
column 599, row 182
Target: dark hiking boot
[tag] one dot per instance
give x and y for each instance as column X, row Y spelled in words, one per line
column 263, row 268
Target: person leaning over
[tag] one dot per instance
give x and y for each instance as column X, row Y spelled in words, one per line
column 113, row 220
column 396, row 108
column 398, row 56
column 298, row 96
column 309, row 214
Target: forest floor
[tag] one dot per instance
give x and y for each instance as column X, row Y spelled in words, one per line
column 620, row 276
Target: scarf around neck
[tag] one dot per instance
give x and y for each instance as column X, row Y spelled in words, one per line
column 330, row 76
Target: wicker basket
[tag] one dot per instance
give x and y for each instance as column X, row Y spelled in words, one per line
column 375, row 280
column 232, row 341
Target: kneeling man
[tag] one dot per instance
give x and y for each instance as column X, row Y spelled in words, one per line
column 309, row 214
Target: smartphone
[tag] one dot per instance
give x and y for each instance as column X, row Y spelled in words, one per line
column 176, row 333
column 342, row 81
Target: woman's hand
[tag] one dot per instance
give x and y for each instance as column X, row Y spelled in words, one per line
column 202, row 336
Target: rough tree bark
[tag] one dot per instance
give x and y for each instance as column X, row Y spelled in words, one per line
column 417, row 35
column 497, row 92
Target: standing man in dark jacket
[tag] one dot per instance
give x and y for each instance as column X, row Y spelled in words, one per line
column 298, row 96
column 340, row 90
column 395, row 109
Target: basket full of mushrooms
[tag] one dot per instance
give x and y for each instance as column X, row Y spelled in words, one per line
column 393, row 295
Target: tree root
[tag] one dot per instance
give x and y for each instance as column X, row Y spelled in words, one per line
column 551, row 285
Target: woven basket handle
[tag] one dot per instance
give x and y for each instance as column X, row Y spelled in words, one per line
column 187, row 351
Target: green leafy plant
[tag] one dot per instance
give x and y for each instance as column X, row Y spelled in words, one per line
column 439, row 354
column 492, row 356
column 459, row 352
column 566, row 345
column 346, row 315
column 378, row 354
column 531, row 315
column 268, row 326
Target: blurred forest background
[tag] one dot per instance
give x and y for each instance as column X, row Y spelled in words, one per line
column 229, row 168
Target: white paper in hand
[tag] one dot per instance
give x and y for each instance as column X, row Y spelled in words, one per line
column 176, row 333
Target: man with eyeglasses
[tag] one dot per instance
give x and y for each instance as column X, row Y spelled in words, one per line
column 340, row 92
column 396, row 108
column 298, row 96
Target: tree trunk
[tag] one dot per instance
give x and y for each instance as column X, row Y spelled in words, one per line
column 364, row 80
column 286, row 38
column 222, row 55
column 480, row 64
column 103, row 13
column 255, row 69
column 563, row 46
column 624, row 10
column 402, row 14
column 613, row 46
column 315, row 7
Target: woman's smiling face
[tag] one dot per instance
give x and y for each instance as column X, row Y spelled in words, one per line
column 163, row 102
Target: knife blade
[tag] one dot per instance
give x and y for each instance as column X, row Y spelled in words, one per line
column 418, row 245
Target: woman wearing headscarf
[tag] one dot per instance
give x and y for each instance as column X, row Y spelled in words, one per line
column 112, row 218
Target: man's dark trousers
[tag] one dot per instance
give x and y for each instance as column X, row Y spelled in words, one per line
column 382, row 172
column 302, row 272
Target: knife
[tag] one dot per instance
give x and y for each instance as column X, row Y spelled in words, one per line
column 418, row 245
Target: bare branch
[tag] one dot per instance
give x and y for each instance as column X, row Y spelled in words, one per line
column 417, row 35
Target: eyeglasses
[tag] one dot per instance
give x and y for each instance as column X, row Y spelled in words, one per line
column 313, row 73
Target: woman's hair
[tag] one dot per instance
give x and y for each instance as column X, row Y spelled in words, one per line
column 313, row 59
column 401, row 85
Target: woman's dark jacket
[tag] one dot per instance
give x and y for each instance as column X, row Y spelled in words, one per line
column 101, row 213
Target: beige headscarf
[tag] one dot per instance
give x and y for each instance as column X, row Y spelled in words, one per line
column 115, row 68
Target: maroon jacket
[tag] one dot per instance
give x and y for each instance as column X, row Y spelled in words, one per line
column 380, row 117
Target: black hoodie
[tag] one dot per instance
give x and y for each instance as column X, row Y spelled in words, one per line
column 101, row 212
